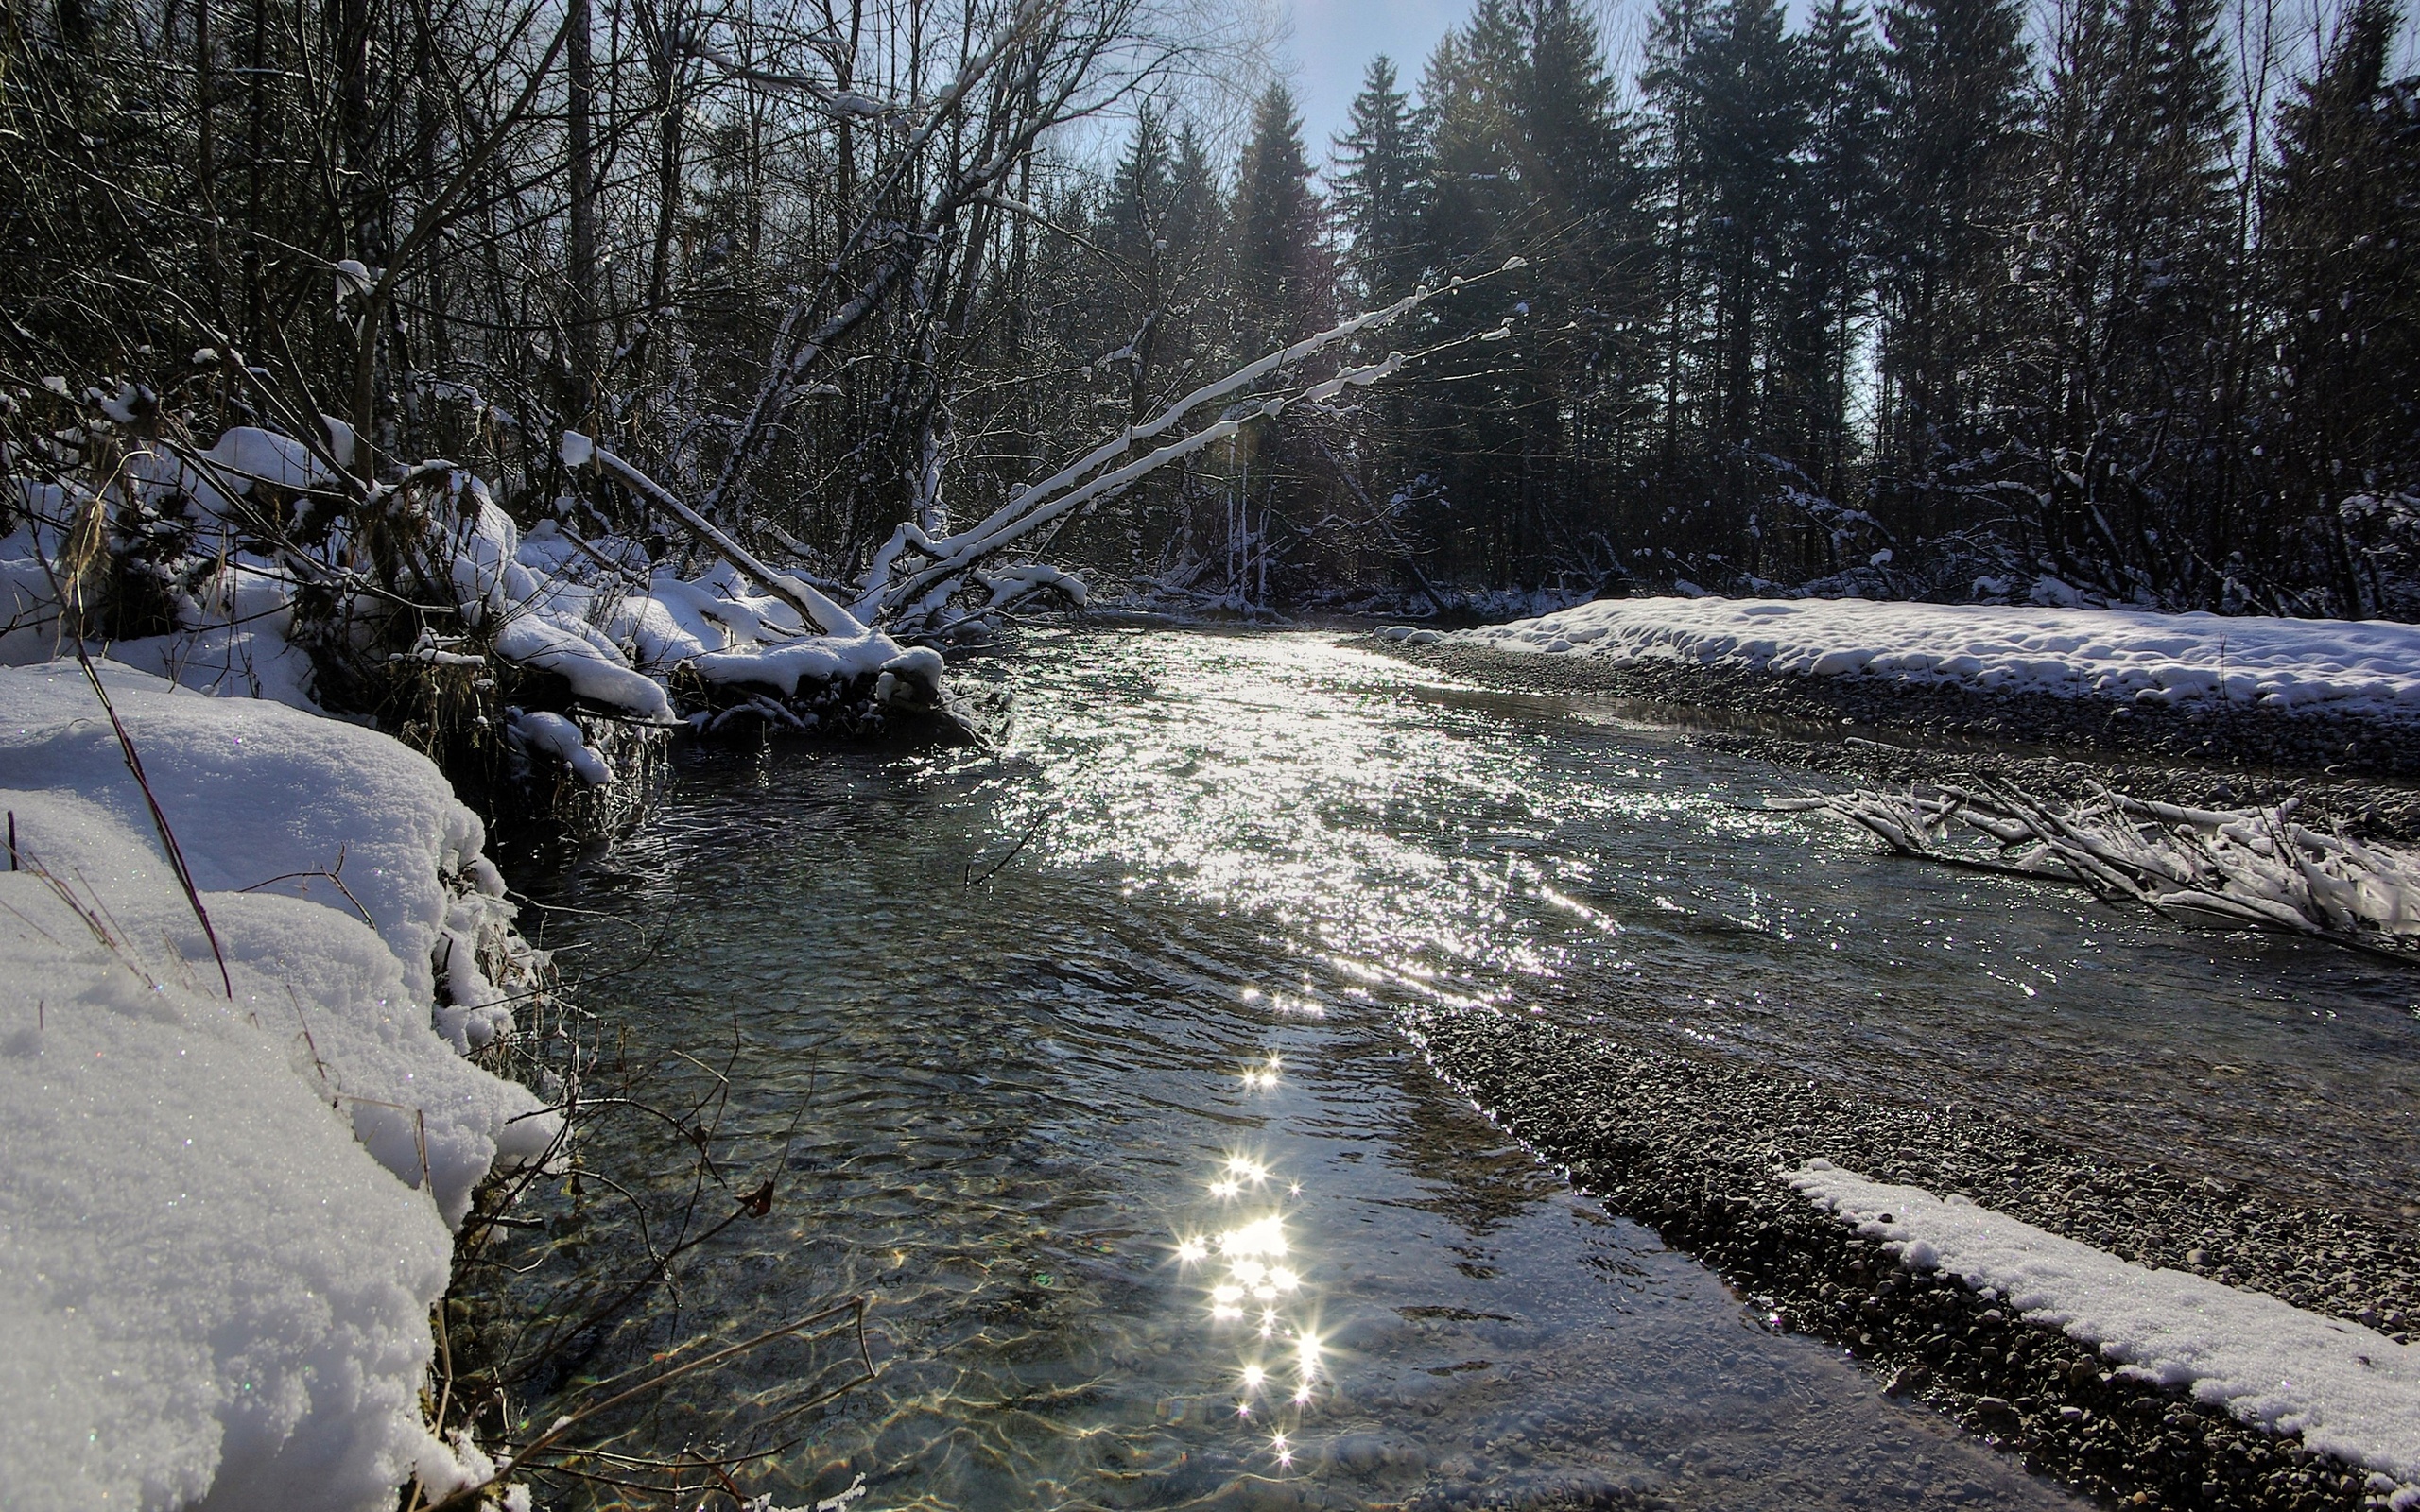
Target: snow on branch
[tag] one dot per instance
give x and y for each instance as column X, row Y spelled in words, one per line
column 914, row 575
column 802, row 596
column 892, row 591
column 2235, row 868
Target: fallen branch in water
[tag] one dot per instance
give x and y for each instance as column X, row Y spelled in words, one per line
column 2234, row 869
column 849, row 1314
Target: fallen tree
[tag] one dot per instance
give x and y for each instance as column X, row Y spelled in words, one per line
column 264, row 564
column 2231, row 868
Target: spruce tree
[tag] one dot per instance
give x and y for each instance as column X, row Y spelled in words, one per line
column 1827, row 288
column 1753, row 123
column 2120, row 345
column 2344, row 255
column 1673, row 87
column 1284, row 290
column 1955, row 73
column 1277, row 246
column 1381, row 180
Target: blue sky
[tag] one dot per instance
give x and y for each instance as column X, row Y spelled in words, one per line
column 1333, row 41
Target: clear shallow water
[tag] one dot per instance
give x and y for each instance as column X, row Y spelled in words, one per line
column 1112, row 1135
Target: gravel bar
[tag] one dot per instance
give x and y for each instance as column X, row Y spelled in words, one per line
column 2218, row 735
column 1692, row 1149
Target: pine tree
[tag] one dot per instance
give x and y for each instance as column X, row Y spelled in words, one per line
column 2344, row 254
column 1381, row 180
column 1954, row 73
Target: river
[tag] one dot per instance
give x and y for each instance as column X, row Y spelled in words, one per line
column 1079, row 1061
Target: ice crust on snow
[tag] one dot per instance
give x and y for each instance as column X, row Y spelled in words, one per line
column 225, row 1221
column 2150, row 657
column 2349, row 1391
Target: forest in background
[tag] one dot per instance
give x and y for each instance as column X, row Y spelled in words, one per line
column 2099, row 299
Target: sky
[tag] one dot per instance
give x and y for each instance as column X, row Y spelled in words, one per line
column 1333, row 41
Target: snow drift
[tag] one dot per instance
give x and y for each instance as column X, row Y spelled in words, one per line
column 2349, row 1391
column 226, row 1220
column 2369, row 664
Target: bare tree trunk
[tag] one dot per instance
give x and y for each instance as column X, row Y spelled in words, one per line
column 255, row 179
column 581, row 309
column 671, row 112
column 205, row 175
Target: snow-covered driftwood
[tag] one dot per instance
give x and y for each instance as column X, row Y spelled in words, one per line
column 2240, row 868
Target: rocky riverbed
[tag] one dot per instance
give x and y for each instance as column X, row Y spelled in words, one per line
column 1691, row 1144
column 1692, row 1148
column 2247, row 748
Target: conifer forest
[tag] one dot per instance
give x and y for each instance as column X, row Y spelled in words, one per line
column 2069, row 301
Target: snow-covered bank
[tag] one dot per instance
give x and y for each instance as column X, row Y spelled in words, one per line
column 226, row 1218
column 2372, row 666
column 2349, row 1391
column 253, row 569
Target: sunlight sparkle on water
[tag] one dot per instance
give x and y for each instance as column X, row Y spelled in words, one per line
column 1253, row 1269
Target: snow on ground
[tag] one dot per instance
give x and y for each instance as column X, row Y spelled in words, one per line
column 224, row 1222
column 2349, row 1391
column 2372, row 665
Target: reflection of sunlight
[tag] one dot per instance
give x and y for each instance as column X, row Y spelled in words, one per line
column 1263, row 1076
column 1255, row 1279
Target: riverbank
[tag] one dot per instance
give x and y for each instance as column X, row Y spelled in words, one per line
column 2355, row 765
column 1694, row 1148
column 252, row 955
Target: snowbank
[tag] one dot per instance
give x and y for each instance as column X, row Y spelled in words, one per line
column 2350, row 1392
column 617, row 630
column 225, row 1221
column 2373, row 666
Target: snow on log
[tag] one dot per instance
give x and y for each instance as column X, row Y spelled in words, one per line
column 556, row 736
column 2349, row 1391
column 2243, row 868
column 227, row 1221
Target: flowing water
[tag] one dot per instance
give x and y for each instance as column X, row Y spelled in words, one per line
column 1155, row 1209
